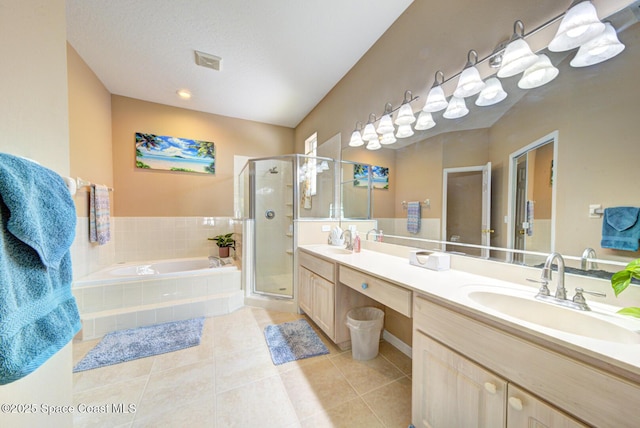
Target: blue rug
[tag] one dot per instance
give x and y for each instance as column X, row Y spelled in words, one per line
column 126, row 345
column 293, row 341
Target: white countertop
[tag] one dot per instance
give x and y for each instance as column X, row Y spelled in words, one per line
column 452, row 287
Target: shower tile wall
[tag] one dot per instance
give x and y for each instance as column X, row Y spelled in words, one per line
column 147, row 238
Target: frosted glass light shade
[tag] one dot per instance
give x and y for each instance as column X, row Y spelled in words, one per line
column 579, row 25
column 492, row 94
column 599, row 49
column 369, row 132
column 425, row 121
column 469, row 83
column 386, row 125
column 356, row 139
column 373, row 144
column 457, row 108
column 540, row 73
column 405, row 115
column 517, row 57
column 404, row 131
column 436, row 100
column 388, row 138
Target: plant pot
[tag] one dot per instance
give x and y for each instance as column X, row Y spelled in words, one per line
column 223, row 251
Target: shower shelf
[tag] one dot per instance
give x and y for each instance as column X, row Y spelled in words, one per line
column 289, row 234
column 290, row 252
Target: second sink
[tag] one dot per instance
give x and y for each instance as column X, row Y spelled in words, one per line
column 526, row 308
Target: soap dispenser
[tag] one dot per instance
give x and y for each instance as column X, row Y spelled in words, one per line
column 356, row 243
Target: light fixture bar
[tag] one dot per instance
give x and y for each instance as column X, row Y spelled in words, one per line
column 501, row 50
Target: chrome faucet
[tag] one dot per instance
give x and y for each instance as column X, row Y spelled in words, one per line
column 348, row 242
column 375, row 234
column 561, row 292
column 560, row 298
column 585, row 263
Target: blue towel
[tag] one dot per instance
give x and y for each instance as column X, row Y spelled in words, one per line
column 38, row 313
column 621, row 228
column 413, row 217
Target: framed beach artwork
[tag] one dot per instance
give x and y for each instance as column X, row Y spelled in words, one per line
column 174, row 154
column 379, row 176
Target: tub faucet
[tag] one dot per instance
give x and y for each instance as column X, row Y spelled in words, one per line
column 214, row 262
column 586, row 264
column 348, row 242
column 561, row 292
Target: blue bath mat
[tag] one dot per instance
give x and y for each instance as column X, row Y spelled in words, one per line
column 126, row 345
column 293, row 341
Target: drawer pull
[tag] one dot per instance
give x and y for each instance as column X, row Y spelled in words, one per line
column 490, row 387
column 515, row 403
column 365, row 285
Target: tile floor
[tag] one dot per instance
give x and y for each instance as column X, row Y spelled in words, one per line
column 229, row 380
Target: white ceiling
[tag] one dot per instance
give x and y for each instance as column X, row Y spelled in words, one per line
column 279, row 57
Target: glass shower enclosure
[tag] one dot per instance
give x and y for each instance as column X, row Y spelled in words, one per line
column 276, row 193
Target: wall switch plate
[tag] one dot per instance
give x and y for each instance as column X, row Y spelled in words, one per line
column 326, row 228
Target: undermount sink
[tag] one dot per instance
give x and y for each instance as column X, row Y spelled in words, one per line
column 526, row 308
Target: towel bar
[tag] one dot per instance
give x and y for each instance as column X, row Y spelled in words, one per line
column 426, row 203
column 83, row 183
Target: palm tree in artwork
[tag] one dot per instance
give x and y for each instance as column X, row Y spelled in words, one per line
column 207, row 149
column 146, row 141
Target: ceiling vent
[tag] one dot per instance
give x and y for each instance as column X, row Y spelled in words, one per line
column 208, row 60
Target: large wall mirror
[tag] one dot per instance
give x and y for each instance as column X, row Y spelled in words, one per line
column 575, row 142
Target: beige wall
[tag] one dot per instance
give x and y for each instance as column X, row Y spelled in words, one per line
column 89, row 128
column 141, row 192
column 34, row 123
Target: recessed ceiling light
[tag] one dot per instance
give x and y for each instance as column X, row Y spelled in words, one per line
column 184, row 94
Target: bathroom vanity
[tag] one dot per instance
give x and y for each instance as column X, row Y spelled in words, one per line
column 485, row 353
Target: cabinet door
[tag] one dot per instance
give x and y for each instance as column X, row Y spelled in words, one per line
column 524, row 410
column 324, row 305
column 305, row 290
column 450, row 391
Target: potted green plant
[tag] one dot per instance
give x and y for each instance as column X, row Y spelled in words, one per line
column 621, row 280
column 224, row 242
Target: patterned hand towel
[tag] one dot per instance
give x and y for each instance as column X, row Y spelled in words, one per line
column 99, row 216
column 413, row 217
column 621, row 228
column 38, row 313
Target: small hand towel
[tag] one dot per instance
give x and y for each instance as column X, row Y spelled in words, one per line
column 413, row 217
column 621, row 228
column 530, row 217
column 99, row 215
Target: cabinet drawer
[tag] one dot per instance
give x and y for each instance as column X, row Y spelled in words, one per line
column 393, row 296
column 316, row 265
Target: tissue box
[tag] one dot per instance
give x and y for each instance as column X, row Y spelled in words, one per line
column 433, row 261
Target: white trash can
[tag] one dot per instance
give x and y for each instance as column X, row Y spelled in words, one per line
column 365, row 325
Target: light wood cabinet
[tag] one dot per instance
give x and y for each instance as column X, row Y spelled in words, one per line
column 450, row 391
column 391, row 295
column 524, row 410
column 316, row 299
column 469, row 374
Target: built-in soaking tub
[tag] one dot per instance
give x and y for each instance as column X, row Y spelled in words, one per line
column 136, row 294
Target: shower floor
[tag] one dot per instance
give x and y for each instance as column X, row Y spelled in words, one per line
column 275, row 284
